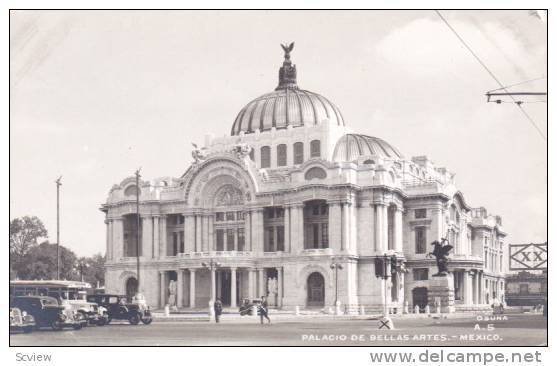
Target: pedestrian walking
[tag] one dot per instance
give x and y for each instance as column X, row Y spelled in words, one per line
column 264, row 310
column 218, row 310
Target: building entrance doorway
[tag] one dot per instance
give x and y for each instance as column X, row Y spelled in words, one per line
column 131, row 286
column 316, row 289
column 419, row 297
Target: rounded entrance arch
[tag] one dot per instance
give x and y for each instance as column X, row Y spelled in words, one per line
column 316, row 289
column 131, row 286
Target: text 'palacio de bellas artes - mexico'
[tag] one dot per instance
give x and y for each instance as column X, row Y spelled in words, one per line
column 289, row 192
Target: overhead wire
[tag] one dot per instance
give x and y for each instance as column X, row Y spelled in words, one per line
column 502, row 87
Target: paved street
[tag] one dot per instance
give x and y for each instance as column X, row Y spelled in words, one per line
column 517, row 330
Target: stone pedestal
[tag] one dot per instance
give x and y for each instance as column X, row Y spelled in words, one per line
column 441, row 293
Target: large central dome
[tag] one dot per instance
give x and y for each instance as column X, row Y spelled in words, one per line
column 287, row 105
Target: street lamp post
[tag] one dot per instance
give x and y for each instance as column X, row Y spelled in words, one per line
column 58, row 184
column 386, row 273
column 137, row 176
column 336, row 266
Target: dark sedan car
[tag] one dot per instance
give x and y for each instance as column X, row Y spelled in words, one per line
column 47, row 312
column 122, row 308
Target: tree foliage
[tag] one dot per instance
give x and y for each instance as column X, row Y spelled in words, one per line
column 93, row 269
column 32, row 261
column 40, row 263
column 24, row 234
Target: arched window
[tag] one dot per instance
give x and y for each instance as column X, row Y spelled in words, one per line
column 298, row 153
column 252, row 155
column 315, row 173
column 265, row 157
column 131, row 191
column 281, row 155
column 315, row 149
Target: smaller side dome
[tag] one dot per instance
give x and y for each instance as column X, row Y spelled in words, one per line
column 351, row 146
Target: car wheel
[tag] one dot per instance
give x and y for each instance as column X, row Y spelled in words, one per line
column 134, row 319
column 28, row 329
column 77, row 326
column 108, row 320
column 102, row 321
column 147, row 320
column 56, row 325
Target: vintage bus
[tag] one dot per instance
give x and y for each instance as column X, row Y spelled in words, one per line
column 69, row 293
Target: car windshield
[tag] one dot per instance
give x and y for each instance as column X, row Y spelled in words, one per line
column 49, row 301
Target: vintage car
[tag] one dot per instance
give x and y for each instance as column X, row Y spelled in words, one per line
column 48, row 312
column 247, row 306
column 121, row 307
column 92, row 313
column 20, row 320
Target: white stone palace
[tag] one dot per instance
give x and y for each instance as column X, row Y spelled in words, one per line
column 292, row 190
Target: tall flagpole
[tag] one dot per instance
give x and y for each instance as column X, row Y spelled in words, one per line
column 137, row 223
column 58, row 184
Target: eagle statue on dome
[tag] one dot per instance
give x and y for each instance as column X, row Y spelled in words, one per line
column 287, row 49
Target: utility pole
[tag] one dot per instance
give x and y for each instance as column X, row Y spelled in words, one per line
column 58, row 184
column 137, row 176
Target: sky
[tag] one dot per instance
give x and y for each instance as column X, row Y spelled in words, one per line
column 97, row 94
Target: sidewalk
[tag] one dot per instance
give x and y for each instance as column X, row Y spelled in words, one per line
column 279, row 316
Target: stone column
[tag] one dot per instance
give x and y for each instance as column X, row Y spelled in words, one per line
column 147, row 237
column 335, row 226
column 257, row 229
column 481, row 299
column 235, row 240
column 162, row 289
column 474, row 275
column 381, row 228
column 467, row 288
column 213, row 285
column 397, row 230
column 247, row 231
column 198, row 235
column 189, row 233
column 251, row 283
column 108, row 239
column 345, row 226
column 233, row 287
column 156, row 236
column 192, row 287
column 211, row 224
column 225, row 240
column 180, row 285
column 205, row 232
column 118, row 238
column 261, row 282
column 286, row 229
column 279, row 287
column 162, row 236
column 297, row 228
column 352, row 227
